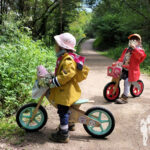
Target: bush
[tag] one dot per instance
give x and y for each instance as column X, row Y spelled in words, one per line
column 78, row 27
column 98, row 43
column 19, row 57
column 145, row 65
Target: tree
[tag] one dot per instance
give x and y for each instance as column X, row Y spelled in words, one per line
column 44, row 17
column 117, row 19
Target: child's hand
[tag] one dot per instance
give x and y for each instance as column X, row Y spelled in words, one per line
column 50, row 81
column 117, row 64
column 125, row 66
column 133, row 44
column 114, row 64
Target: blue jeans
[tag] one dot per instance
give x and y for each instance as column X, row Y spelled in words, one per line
column 64, row 114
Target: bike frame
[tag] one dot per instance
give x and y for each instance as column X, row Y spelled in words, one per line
column 116, row 80
column 76, row 115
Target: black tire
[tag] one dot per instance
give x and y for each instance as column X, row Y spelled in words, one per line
column 140, row 92
column 31, row 105
column 110, row 129
column 111, row 98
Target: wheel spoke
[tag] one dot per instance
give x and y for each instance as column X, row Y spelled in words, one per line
column 93, row 117
column 109, row 94
column 92, row 127
column 36, row 121
column 100, row 115
column 30, row 111
column 26, row 116
column 101, row 128
column 28, row 123
column 37, row 114
column 104, row 121
column 110, row 91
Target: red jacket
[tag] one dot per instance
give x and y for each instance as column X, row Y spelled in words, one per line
column 138, row 55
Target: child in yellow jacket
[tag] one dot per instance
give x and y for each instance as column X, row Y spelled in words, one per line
column 66, row 90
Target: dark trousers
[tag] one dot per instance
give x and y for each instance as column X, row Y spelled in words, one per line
column 124, row 74
column 64, row 114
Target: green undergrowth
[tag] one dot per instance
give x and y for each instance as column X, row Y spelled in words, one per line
column 10, row 132
column 19, row 58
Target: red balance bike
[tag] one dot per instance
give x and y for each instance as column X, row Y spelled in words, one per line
column 111, row 91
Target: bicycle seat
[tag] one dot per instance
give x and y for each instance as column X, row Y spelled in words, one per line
column 82, row 101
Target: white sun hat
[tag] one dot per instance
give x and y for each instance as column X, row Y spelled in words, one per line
column 66, row 41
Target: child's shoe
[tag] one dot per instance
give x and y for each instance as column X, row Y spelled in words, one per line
column 60, row 136
column 71, row 126
column 122, row 99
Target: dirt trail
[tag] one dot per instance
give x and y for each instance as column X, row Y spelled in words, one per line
column 126, row 135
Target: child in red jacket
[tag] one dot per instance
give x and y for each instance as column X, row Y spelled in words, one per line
column 130, row 61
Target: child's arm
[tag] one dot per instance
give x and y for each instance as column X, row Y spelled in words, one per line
column 122, row 56
column 138, row 54
column 120, row 60
column 67, row 73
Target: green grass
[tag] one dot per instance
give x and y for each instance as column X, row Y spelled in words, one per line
column 10, row 132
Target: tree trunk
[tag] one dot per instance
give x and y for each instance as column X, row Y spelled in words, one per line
column 42, row 29
column 61, row 14
column 1, row 17
column 1, row 6
column 21, row 6
column 46, row 11
column 5, row 7
column 34, row 9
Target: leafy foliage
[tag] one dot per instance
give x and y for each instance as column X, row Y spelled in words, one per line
column 10, row 131
column 77, row 28
column 45, row 18
column 19, row 57
column 113, row 21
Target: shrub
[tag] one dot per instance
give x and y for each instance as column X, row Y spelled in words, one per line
column 98, row 43
column 19, row 57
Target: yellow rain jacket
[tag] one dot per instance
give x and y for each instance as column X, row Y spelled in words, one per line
column 69, row 91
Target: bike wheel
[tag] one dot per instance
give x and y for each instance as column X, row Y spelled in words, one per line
column 106, row 119
column 134, row 90
column 108, row 92
column 25, row 113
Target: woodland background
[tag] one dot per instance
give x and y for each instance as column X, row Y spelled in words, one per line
column 27, row 28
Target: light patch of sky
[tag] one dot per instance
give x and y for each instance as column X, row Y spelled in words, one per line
column 89, row 9
column 86, row 8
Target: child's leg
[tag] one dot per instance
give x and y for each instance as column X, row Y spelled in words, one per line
column 63, row 112
column 62, row 134
column 126, row 87
column 124, row 96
